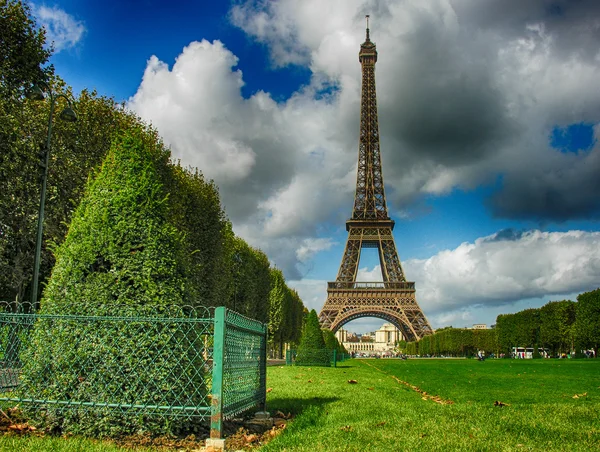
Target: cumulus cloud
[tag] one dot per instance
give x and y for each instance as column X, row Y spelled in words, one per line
column 484, row 277
column 266, row 157
column 468, row 95
column 467, row 91
column 507, row 267
column 62, row 29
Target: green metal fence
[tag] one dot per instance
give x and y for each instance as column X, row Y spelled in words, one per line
column 191, row 364
column 316, row 357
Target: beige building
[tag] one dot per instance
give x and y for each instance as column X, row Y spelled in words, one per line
column 381, row 341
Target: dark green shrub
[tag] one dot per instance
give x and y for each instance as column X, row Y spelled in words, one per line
column 312, row 350
column 122, row 256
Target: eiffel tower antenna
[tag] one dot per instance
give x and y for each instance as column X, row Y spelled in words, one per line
column 392, row 299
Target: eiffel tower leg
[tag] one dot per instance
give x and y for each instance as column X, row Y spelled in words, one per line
column 390, row 262
column 351, row 258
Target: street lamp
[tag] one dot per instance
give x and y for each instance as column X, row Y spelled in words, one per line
column 37, row 93
column 238, row 261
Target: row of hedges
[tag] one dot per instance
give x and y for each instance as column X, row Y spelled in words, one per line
column 453, row 342
column 559, row 326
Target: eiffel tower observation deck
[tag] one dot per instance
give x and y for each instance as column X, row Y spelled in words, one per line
column 394, row 298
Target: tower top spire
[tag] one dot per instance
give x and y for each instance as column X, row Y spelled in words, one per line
column 368, row 51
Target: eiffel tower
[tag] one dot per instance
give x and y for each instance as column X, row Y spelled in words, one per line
column 393, row 299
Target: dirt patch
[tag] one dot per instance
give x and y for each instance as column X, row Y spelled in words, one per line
column 240, row 434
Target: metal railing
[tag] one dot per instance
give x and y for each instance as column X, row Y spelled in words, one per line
column 190, row 364
column 371, row 285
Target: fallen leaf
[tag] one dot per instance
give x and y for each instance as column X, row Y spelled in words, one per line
column 309, row 381
column 347, row 428
column 498, row 403
column 370, row 389
column 381, row 424
column 251, row 438
column 269, row 389
column 352, row 382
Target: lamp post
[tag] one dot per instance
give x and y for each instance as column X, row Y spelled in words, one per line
column 238, row 261
column 36, row 93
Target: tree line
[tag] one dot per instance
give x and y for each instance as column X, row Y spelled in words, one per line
column 558, row 327
column 452, row 342
column 214, row 266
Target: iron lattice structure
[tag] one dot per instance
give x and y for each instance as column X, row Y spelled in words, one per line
column 393, row 299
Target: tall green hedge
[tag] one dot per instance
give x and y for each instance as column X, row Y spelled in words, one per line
column 312, row 350
column 123, row 251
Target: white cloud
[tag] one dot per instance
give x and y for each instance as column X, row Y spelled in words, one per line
column 496, row 274
column 495, row 271
column 266, row 157
column 457, row 83
column 464, row 95
column 62, row 29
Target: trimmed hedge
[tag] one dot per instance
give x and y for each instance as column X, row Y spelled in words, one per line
column 312, row 350
column 123, row 251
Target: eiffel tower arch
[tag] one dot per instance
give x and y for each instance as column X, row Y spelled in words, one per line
column 394, row 298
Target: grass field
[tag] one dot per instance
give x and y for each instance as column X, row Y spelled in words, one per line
column 426, row 405
column 379, row 413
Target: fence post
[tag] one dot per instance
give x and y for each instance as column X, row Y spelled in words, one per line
column 263, row 368
column 216, row 417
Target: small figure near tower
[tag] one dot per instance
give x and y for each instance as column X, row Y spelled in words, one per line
column 393, row 299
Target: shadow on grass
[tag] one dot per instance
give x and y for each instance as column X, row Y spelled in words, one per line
column 300, row 407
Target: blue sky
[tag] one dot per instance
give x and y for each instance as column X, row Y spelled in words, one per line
column 488, row 118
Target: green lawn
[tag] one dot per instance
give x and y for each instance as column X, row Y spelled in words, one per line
column 381, row 414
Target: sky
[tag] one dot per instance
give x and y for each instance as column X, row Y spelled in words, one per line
column 489, row 116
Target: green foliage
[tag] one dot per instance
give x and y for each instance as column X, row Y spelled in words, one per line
column 22, row 52
column 251, row 281
column 312, row 346
column 556, row 326
column 331, row 342
column 587, row 324
column 122, row 252
column 286, row 313
column 454, row 342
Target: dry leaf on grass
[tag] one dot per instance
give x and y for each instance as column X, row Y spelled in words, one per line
column 499, row 403
column 352, row 382
column 251, row 438
column 269, row 389
column 346, row 428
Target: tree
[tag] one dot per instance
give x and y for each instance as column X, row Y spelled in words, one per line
column 556, row 326
column 76, row 149
column 312, row 350
column 587, row 323
column 331, row 342
column 123, row 253
column 276, row 307
column 22, row 52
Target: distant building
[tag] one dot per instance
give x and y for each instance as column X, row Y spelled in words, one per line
column 479, row 326
column 381, row 341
